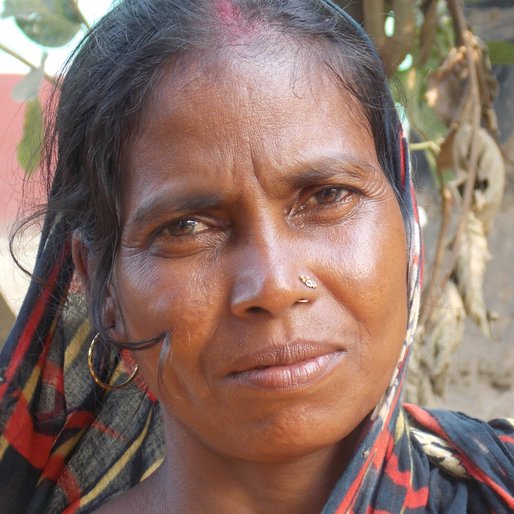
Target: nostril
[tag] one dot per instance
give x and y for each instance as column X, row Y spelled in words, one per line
column 270, row 293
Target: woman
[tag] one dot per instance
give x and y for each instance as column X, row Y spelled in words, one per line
column 232, row 190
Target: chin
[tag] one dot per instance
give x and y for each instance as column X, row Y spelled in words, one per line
column 288, row 436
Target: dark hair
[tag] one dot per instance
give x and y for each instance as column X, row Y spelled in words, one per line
column 114, row 72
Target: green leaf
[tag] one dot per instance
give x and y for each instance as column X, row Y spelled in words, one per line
column 28, row 88
column 23, row 8
column 29, row 148
column 501, row 52
column 47, row 22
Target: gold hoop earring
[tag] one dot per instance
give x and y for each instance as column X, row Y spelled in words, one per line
column 92, row 372
column 307, row 281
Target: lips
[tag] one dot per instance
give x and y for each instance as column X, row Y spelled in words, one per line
column 289, row 366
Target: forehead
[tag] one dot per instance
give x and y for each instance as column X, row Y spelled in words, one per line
column 285, row 81
column 240, row 67
column 247, row 105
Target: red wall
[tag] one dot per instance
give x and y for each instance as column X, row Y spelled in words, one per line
column 11, row 176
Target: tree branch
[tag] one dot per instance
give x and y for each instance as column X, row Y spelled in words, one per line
column 459, row 22
column 78, row 13
column 374, row 19
column 22, row 59
column 428, row 30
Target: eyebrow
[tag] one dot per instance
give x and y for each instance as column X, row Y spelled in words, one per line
column 328, row 167
column 168, row 203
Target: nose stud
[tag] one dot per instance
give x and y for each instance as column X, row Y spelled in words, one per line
column 307, row 281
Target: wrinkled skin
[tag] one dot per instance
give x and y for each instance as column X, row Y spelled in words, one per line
column 245, row 174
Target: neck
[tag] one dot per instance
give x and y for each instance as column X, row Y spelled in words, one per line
column 193, row 478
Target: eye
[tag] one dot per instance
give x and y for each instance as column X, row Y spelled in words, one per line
column 328, row 195
column 183, row 227
column 187, row 236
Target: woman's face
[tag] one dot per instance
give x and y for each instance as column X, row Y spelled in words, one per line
column 244, row 176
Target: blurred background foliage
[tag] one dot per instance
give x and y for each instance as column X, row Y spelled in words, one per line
column 442, row 77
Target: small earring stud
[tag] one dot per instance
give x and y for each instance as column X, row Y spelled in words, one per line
column 306, row 280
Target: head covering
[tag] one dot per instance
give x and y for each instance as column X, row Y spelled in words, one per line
column 67, row 445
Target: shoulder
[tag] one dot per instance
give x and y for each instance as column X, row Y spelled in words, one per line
column 479, row 453
column 463, row 433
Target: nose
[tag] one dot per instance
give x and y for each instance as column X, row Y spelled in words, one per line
column 270, row 279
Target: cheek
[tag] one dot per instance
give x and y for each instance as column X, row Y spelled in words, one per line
column 369, row 264
column 157, row 296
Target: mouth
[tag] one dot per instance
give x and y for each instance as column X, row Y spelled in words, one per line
column 290, row 367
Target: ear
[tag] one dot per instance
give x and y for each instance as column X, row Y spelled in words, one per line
column 85, row 262
column 80, row 254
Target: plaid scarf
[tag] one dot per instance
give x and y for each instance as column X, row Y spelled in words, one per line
column 68, row 446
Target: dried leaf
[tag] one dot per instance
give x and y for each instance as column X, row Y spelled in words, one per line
column 490, row 180
column 445, row 331
column 435, row 345
column 29, row 148
column 490, row 184
column 470, row 270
